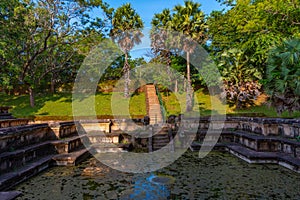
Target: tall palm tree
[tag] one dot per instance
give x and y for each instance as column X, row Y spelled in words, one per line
column 161, row 22
column 189, row 20
column 126, row 31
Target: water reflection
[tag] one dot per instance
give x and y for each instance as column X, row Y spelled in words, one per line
column 147, row 189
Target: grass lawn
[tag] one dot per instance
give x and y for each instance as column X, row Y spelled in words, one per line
column 59, row 106
column 175, row 104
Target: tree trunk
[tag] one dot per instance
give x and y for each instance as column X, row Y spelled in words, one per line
column 127, row 78
column 31, row 96
column 52, row 87
column 176, row 86
column 189, row 95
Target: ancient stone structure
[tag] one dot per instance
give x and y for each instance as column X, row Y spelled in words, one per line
column 153, row 106
column 26, row 149
column 4, row 112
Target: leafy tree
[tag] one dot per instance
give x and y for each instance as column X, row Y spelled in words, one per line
column 243, row 35
column 11, row 24
column 239, row 88
column 45, row 33
column 253, row 27
column 282, row 82
column 126, row 30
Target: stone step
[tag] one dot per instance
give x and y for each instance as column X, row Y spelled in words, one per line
column 152, row 104
column 21, row 136
column 71, row 159
column 6, row 116
column 160, row 133
column 10, row 195
column 8, row 180
column 68, row 145
column 156, row 147
column 4, row 123
column 252, row 156
column 160, row 139
column 20, row 157
column 163, row 148
column 107, row 147
column 161, row 143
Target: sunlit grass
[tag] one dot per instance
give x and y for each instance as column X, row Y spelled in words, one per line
column 207, row 105
column 59, row 106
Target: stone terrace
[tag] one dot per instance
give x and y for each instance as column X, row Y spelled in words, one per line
column 26, row 149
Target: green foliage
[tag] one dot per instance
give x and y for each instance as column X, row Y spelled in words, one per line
column 126, row 31
column 189, row 21
column 283, row 76
column 126, row 27
column 40, row 41
column 240, row 79
column 253, row 27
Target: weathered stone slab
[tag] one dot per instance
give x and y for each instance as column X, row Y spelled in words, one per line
column 9, row 195
column 71, row 159
column 63, row 129
column 4, row 123
column 18, row 158
column 13, row 138
column 11, row 179
column 70, row 144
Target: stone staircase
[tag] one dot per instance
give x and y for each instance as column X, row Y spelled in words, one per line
column 160, row 141
column 153, row 106
column 241, row 138
column 4, row 113
column 160, row 138
column 27, row 149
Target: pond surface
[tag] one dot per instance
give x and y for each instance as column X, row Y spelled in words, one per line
column 217, row 176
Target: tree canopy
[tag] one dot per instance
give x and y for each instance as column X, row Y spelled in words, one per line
column 126, row 31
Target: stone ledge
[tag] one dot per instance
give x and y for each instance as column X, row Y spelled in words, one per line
column 13, row 138
column 71, row 159
column 16, row 130
column 63, row 129
column 70, row 144
column 10, row 195
column 21, row 157
column 11, row 179
column 4, row 123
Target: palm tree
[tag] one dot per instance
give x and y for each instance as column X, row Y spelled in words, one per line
column 126, row 31
column 161, row 22
column 189, row 20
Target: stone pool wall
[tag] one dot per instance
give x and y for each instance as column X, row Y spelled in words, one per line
column 44, row 145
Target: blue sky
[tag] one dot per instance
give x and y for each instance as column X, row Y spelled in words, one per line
column 147, row 8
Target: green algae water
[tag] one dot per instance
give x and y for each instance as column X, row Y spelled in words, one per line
column 217, row 176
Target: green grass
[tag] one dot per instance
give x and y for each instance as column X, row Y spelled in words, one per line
column 175, row 104
column 59, row 106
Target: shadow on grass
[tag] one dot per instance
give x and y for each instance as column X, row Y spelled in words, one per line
column 21, row 107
